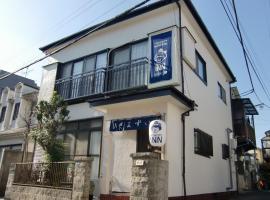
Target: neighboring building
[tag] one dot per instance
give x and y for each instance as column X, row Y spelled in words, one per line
column 13, row 79
column 148, row 64
column 16, row 104
column 243, row 121
column 17, row 93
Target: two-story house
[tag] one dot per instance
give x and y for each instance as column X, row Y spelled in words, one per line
column 157, row 61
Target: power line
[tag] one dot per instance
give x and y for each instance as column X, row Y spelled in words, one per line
column 252, row 63
column 242, row 44
column 77, row 39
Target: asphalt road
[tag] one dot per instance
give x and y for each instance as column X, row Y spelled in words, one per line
column 253, row 196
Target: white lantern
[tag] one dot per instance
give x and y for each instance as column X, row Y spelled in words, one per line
column 157, row 133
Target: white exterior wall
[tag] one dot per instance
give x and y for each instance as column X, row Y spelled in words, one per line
column 212, row 116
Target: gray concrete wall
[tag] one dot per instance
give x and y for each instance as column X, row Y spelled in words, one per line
column 149, row 177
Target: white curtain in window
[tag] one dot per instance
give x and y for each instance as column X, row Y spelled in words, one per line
column 139, row 50
column 95, row 140
column 100, row 74
column 82, row 143
column 76, row 82
column 138, row 67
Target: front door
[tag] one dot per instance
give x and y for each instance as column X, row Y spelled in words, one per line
column 143, row 144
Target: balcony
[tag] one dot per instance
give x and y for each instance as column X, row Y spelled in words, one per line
column 245, row 133
column 125, row 76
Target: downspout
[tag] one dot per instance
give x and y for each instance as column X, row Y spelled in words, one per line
column 230, row 161
column 183, row 118
column 181, row 48
column 183, row 115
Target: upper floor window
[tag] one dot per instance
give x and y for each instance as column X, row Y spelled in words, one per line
column 84, row 65
column 203, row 143
column 16, row 111
column 129, row 53
column 3, row 113
column 221, row 93
column 201, row 67
column 128, row 69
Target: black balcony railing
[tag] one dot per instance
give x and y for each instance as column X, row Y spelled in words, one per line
column 124, row 76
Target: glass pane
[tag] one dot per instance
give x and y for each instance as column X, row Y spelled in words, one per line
column 78, row 68
column 95, row 168
column 89, row 64
column 16, row 147
column 84, row 125
column 139, row 50
column 65, row 70
column 95, row 140
column 101, row 60
column 201, row 69
column 71, row 126
column 82, row 143
column 121, row 56
column 95, row 123
column 69, row 143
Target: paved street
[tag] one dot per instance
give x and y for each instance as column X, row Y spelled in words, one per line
column 253, row 196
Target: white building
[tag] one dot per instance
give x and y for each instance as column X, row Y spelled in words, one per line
column 16, row 105
column 159, row 61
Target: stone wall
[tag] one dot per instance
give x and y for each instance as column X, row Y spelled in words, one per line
column 80, row 190
column 40, row 193
column 149, row 177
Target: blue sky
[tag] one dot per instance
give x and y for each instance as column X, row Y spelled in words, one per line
column 28, row 25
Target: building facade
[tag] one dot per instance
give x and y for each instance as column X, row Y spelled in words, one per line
column 156, row 62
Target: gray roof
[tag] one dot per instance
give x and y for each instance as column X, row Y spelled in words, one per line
column 12, row 80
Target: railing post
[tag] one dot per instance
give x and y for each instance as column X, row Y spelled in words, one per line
column 81, row 180
column 10, row 181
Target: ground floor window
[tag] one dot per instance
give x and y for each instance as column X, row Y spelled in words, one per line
column 83, row 138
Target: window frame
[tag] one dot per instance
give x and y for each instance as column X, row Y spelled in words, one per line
column 83, row 58
column 199, row 148
column 90, row 129
column 3, row 113
column 16, row 111
column 196, row 70
column 129, row 46
column 222, row 93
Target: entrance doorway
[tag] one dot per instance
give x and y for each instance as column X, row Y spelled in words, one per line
column 143, row 144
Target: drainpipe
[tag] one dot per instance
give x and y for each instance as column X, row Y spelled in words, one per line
column 181, row 47
column 229, row 131
column 183, row 115
column 183, row 118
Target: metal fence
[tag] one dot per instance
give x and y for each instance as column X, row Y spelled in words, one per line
column 56, row 175
column 128, row 75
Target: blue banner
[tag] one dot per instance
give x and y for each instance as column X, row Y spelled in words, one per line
column 161, row 51
column 137, row 123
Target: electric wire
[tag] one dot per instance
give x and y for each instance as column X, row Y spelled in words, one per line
column 76, row 40
column 248, row 57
